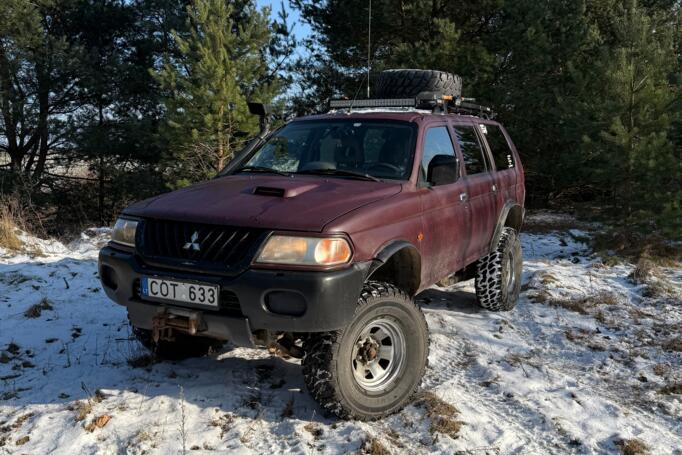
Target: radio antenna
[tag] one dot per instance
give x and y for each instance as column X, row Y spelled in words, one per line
column 369, row 45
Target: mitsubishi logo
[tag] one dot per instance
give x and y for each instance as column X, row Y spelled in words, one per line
column 193, row 244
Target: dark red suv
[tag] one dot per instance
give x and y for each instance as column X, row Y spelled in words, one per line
column 316, row 238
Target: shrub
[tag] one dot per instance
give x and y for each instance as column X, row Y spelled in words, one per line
column 9, row 223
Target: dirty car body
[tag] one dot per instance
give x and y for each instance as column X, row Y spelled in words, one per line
column 380, row 219
column 312, row 227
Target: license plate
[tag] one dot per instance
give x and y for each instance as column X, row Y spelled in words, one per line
column 177, row 291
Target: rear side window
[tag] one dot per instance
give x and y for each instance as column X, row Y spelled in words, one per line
column 436, row 142
column 472, row 152
column 499, row 147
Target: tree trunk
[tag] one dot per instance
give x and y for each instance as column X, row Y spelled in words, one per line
column 43, row 131
column 221, row 145
column 16, row 157
column 100, row 204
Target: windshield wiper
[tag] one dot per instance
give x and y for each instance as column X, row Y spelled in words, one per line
column 261, row 169
column 339, row 172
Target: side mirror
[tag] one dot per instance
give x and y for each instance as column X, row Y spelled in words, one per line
column 259, row 109
column 263, row 111
column 443, row 170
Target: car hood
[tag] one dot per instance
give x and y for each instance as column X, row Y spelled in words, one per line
column 298, row 203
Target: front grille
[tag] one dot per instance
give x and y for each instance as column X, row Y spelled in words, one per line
column 198, row 244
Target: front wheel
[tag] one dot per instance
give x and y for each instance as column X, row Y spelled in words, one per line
column 373, row 367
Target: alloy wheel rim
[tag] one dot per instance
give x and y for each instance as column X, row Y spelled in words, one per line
column 511, row 276
column 378, row 355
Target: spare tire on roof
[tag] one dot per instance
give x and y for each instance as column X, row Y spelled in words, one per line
column 409, row 83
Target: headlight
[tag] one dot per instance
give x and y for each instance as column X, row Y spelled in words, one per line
column 124, row 232
column 284, row 249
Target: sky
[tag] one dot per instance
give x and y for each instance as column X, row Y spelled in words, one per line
column 301, row 29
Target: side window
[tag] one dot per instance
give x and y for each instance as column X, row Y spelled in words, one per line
column 474, row 163
column 436, row 142
column 499, row 147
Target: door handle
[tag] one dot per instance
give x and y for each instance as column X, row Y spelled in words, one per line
column 494, row 188
column 463, row 197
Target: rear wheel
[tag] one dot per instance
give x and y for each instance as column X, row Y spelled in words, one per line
column 182, row 347
column 373, row 367
column 498, row 275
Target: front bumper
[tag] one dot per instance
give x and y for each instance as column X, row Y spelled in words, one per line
column 328, row 299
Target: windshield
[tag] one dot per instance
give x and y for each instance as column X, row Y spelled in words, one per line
column 381, row 149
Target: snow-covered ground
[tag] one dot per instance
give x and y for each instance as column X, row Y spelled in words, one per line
column 585, row 361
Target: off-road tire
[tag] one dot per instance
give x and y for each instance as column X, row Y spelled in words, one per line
column 494, row 290
column 328, row 365
column 409, row 83
column 183, row 347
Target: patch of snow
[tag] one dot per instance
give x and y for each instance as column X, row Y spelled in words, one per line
column 542, row 378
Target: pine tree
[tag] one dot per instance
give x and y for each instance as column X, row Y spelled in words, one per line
column 38, row 67
column 222, row 64
column 635, row 95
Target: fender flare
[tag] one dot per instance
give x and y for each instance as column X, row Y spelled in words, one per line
column 387, row 251
column 511, row 211
column 407, row 276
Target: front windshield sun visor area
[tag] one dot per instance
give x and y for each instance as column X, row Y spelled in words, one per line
column 350, row 148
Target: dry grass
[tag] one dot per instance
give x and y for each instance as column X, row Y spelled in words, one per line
column 548, row 278
column 372, row 446
column 648, row 273
column 9, row 226
column 674, row 345
column 13, row 349
column 224, row 423
column 394, row 437
column 4, row 358
column 659, row 288
column 23, row 440
column 661, row 369
column 643, row 271
column 442, row 415
column 632, row 447
column 634, row 246
column 671, row 389
column 98, row 422
column 82, row 408
column 34, row 311
column 314, row 430
column 580, row 305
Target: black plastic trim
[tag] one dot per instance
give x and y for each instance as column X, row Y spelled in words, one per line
column 331, row 296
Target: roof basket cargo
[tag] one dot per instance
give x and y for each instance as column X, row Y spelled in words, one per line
column 433, row 101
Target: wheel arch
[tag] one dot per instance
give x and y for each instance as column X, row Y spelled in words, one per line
column 398, row 263
column 512, row 215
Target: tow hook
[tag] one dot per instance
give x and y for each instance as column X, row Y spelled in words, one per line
column 164, row 323
column 285, row 347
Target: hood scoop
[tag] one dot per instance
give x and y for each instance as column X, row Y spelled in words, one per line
column 269, row 191
column 284, row 189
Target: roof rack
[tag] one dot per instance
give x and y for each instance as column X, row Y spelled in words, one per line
column 433, row 101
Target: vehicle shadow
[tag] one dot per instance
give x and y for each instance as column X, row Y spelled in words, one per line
column 457, row 300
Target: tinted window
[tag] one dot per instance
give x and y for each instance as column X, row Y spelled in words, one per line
column 499, row 147
column 383, row 149
column 436, row 142
column 471, row 149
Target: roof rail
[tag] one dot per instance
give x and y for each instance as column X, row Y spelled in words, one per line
column 434, row 101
